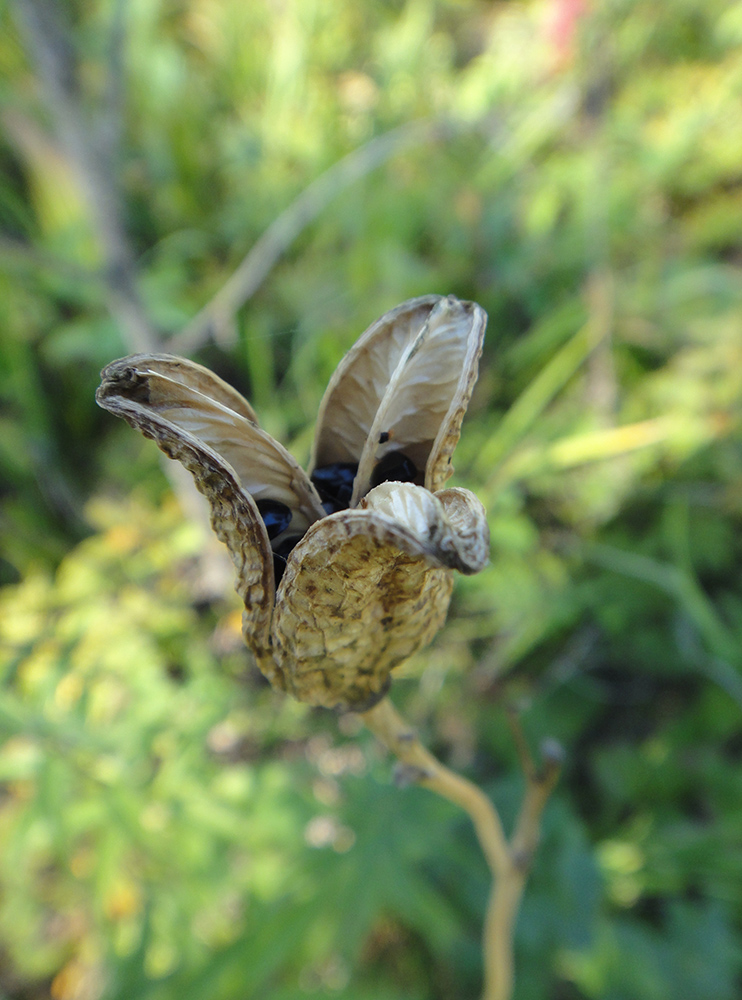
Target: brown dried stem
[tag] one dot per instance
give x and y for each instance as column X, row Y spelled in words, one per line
column 508, row 861
column 90, row 143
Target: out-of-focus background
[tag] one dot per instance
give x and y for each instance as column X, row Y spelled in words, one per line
column 251, row 184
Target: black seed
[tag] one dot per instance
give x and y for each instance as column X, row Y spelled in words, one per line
column 279, row 568
column 335, row 484
column 383, row 437
column 286, row 545
column 276, row 516
column 394, row 467
column 280, row 554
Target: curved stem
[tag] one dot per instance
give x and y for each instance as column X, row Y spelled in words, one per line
column 509, row 863
column 216, row 318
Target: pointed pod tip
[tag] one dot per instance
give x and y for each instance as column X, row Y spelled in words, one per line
column 122, row 378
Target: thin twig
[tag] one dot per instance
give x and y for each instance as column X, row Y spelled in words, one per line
column 509, row 863
column 111, row 126
column 391, row 729
column 215, row 319
column 89, row 134
column 507, row 890
column 89, row 147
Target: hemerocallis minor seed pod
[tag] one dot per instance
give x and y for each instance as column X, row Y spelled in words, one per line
column 345, row 571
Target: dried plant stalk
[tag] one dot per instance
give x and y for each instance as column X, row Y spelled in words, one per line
column 509, row 862
column 346, row 569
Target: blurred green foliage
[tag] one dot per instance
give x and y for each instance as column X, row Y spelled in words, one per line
column 168, row 826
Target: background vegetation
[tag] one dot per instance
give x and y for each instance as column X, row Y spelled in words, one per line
column 168, row 826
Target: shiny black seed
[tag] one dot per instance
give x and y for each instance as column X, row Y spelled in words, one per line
column 286, row 545
column 394, row 467
column 276, row 516
column 335, row 484
column 383, row 437
column 280, row 554
column 279, row 568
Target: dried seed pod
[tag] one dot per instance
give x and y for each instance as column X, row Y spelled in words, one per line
column 362, row 588
column 360, row 595
column 193, row 402
column 234, row 514
column 404, row 386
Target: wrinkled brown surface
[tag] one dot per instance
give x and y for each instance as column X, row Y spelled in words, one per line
column 450, row 527
column 469, row 531
column 353, row 605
